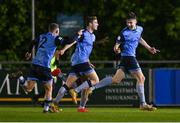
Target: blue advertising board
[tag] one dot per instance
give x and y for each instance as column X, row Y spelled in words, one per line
column 166, row 87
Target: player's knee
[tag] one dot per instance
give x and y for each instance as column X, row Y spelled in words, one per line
column 48, row 90
column 141, row 79
column 97, row 80
column 94, row 82
column 28, row 90
column 68, row 85
column 47, row 95
column 115, row 80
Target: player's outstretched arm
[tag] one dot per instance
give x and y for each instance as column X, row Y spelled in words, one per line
column 29, row 50
column 27, row 55
column 71, row 43
column 67, row 46
column 152, row 50
column 116, row 48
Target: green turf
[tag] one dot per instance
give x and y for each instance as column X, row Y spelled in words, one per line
column 31, row 114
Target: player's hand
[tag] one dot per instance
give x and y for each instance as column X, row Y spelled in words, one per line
column 91, row 65
column 117, row 50
column 61, row 52
column 57, row 55
column 153, row 50
column 80, row 32
column 27, row 55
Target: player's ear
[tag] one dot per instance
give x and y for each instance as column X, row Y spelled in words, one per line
column 57, row 31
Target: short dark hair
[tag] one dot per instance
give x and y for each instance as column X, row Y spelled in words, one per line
column 89, row 19
column 131, row 15
column 53, row 26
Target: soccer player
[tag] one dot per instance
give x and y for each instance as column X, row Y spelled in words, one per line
column 84, row 95
column 40, row 71
column 54, row 63
column 128, row 41
column 80, row 64
column 79, row 81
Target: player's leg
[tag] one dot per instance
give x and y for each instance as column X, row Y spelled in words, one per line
column 48, row 95
column 43, row 74
column 89, row 72
column 84, row 98
column 104, row 82
column 28, row 84
column 138, row 75
column 140, row 90
column 70, row 80
column 83, row 101
column 107, row 81
column 135, row 70
column 119, row 75
column 93, row 79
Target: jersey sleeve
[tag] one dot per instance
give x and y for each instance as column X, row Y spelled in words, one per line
column 33, row 43
column 59, row 41
column 79, row 38
column 120, row 38
column 76, row 37
column 141, row 31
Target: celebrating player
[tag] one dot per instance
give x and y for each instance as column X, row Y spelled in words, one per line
column 80, row 61
column 128, row 41
column 46, row 45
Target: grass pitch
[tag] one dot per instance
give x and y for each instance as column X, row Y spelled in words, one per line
column 115, row 114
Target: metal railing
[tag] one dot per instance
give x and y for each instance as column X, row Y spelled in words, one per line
column 102, row 64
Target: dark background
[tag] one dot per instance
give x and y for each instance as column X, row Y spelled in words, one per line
column 160, row 19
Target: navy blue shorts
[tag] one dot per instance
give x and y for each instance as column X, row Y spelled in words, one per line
column 129, row 64
column 81, row 69
column 40, row 73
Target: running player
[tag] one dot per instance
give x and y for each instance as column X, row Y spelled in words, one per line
column 80, row 61
column 46, row 45
column 128, row 41
column 79, row 81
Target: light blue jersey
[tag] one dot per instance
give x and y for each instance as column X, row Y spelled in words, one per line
column 129, row 40
column 83, row 48
column 46, row 48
